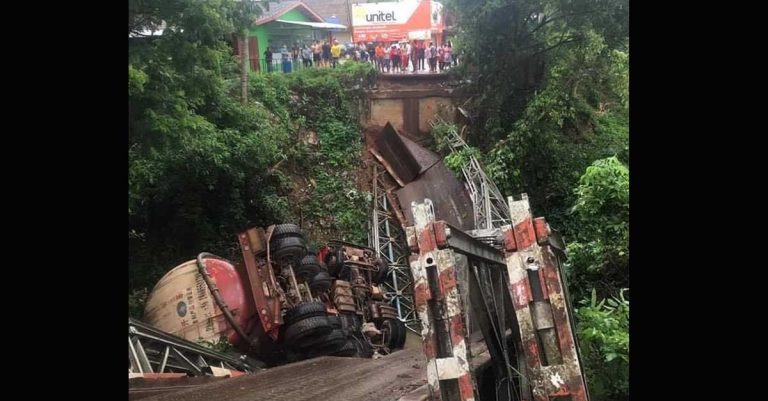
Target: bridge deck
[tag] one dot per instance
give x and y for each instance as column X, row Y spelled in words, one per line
column 322, row 379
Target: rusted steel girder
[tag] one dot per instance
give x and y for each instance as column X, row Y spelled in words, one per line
column 540, row 304
column 440, row 308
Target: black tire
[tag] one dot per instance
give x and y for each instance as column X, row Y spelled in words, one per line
column 306, row 272
column 307, row 267
column 363, row 347
column 347, row 350
column 311, row 326
column 310, row 260
column 303, row 311
column 287, row 249
column 382, row 273
column 335, row 322
column 350, row 322
column 401, row 333
column 396, row 330
column 285, row 231
column 332, row 343
column 320, row 283
column 335, row 266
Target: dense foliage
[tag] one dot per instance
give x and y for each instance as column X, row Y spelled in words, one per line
column 202, row 166
column 603, row 331
column 550, row 117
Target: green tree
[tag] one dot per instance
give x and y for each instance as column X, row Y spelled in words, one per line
column 204, row 166
column 598, row 247
column 198, row 160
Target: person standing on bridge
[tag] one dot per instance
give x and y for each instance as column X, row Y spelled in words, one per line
column 394, row 54
column 420, row 54
column 316, row 49
column 335, row 52
column 432, row 57
column 408, row 49
column 441, row 57
column 306, row 55
column 326, row 53
column 379, row 52
column 268, row 58
column 448, row 56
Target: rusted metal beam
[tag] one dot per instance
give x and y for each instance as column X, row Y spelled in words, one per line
column 258, row 286
column 538, row 296
column 441, row 310
column 462, row 242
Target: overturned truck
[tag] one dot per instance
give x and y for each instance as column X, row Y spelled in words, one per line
column 282, row 302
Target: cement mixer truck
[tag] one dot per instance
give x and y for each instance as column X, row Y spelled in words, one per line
column 281, row 302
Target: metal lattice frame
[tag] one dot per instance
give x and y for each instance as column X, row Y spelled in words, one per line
column 490, row 207
column 153, row 351
column 388, row 239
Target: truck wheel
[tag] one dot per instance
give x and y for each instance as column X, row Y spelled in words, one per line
column 348, row 349
column 290, row 248
column 303, row 311
column 330, row 344
column 335, row 322
column 320, row 283
column 402, row 330
column 335, row 262
column 308, row 267
column 311, row 326
column 396, row 331
column 382, row 273
column 285, row 231
column 363, row 347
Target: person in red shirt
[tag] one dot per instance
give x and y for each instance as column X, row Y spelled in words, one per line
column 394, row 54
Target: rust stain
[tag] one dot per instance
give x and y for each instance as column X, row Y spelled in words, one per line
column 466, row 388
column 524, row 234
column 521, row 293
column 541, row 229
column 457, row 329
column 447, row 280
column 510, row 245
column 427, row 240
column 440, row 237
column 421, row 294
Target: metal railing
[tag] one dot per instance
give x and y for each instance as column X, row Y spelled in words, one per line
column 151, row 350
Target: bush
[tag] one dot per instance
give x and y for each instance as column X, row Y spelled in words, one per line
column 603, row 332
column 599, row 225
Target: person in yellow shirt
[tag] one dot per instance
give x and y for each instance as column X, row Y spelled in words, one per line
column 335, row 52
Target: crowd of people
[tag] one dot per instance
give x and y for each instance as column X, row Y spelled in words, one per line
column 400, row 57
column 387, row 57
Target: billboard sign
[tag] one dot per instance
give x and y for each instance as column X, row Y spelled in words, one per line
column 393, row 21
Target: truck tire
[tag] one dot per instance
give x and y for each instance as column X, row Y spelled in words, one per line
column 382, row 273
column 332, row 343
column 363, row 347
column 321, row 282
column 311, row 326
column 335, row 262
column 335, row 322
column 285, row 231
column 290, row 248
column 303, row 311
column 402, row 331
column 348, row 349
column 307, row 267
column 396, row 330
